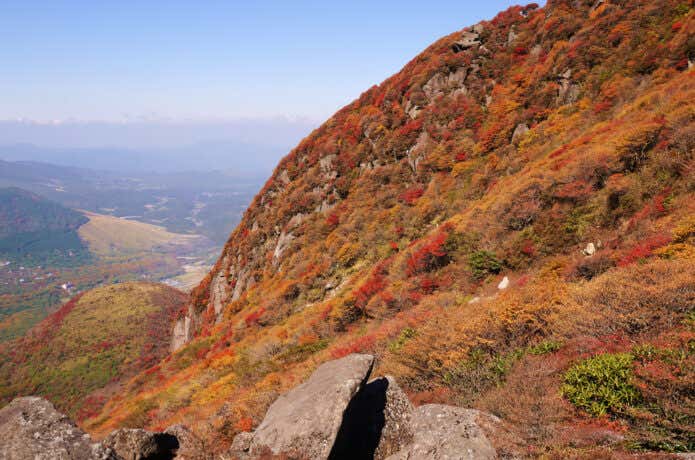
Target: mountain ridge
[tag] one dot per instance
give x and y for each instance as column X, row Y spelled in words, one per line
column 491, row 220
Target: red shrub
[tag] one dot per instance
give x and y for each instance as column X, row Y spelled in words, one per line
column 428, row 285
column 556, row 153
column 373, row 285
column 244, row 424
column 602, row 106
column 411, row 195
column 333, row 220
column 643, row 250
column 529, row 248
column 411, row 126
column 252, row 318
column 358, row 345
column 428, row 256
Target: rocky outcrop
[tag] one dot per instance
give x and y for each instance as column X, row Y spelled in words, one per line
column 447, row 432
column 467, row 40
column 306, row 421
column 182, row 332
column 519, row 132
column 339, row 414
column 441, row 83
column 568, row 91
column 138, row 444
column 190, row 447
column 31, row 428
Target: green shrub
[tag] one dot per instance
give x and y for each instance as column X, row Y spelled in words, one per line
column 405, row 335
column 296, row 353
column 601, row 384
column 545, row 347
column 483, row 263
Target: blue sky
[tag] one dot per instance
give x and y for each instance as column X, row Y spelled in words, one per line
column 202, row 60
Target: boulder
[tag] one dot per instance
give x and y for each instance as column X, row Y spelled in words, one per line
column 519, row 132
column 396, row 431
column 139, row 444
column 376, row 423
column 32, row 428
column 241, row 447
column 504, row 284
column 568, row 91
column 305, row 422
column 468, row 39
column 190, row 446
column 589, row 250
column 447, row 432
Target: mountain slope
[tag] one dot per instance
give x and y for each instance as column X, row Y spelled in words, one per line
column 515, row 201
column 32, row 224
column 77, row 355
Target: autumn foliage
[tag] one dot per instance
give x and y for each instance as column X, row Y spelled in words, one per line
column 390, row 230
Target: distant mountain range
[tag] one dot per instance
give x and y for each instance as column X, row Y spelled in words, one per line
column 238, row 157
column 241, row 146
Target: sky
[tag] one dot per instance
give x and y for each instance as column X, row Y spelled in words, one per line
column 209, row 61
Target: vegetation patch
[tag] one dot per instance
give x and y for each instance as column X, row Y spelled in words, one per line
column 602, row 384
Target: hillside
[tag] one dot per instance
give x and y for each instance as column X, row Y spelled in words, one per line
column 31, row 224
column 77, row 356
column 506, row 224
column 74, row 251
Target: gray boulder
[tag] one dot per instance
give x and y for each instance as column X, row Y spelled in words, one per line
column 396, row 431
column 139, row 444
column 338, row 414
column 190, row 446
column 376, row 423
column 241, row 447
column 31, row 428
column 468, row 39
column 305, row 422
column 519, row 132
column 451, row 433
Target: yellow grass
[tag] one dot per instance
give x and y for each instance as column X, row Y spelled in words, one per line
column 109, row 235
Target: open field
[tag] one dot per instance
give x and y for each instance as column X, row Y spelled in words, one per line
column 109, row 236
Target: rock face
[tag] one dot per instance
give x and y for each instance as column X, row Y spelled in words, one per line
column 306, row 421
column 397, row 415
column 447, row 432
column 468, row 39
column 31, row 428
column 519, row 132
column 190, row 446
column 137, row 444
column 337, row 414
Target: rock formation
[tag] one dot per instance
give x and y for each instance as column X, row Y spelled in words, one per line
column 339, row 414
column 31, row 428
column 306, row 421
column 138, row 444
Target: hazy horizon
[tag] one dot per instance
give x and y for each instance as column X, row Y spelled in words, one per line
column 176, row 86
column 133, row 61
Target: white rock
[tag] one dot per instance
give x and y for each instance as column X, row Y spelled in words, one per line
column 589, row 250
column 504, row 284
